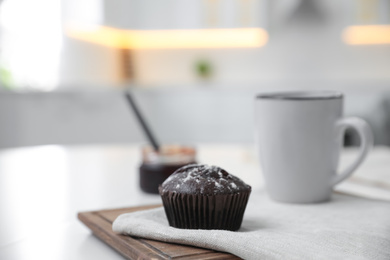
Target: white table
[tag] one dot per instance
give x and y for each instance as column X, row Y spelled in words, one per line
column 42, row 189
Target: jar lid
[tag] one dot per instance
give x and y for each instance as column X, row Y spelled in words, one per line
column 169, row 154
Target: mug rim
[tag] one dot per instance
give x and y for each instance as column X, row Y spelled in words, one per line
column 301, row 95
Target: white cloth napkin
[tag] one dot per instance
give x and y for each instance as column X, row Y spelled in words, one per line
column 346, row 227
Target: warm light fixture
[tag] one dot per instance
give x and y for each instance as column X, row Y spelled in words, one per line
column 172, row 39
column 367, row 34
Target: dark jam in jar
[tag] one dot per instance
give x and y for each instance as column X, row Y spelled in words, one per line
column 156, row 166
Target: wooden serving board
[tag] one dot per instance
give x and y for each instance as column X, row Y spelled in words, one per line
column 100, row 222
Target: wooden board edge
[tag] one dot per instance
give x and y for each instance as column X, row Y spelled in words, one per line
column 127, row 246
column 134, row 208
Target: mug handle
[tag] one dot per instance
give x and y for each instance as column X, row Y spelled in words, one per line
column 366, row 142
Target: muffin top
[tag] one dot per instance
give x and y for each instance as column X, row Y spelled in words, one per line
column 203, row 179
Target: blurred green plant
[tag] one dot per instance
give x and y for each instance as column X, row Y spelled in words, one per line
column 6, row 80
column 203, row 69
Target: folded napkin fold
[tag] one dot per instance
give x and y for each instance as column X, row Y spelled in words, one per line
column 346, row 227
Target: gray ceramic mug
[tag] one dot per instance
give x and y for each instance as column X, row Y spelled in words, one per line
column 299, row 136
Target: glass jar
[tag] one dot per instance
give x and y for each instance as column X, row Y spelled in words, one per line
column 156, row 166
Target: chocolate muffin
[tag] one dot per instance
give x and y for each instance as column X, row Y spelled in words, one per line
column 199, row 196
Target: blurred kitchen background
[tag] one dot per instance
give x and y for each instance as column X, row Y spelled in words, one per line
column 193, row 66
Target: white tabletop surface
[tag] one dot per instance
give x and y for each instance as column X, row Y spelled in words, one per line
column 42, row 189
